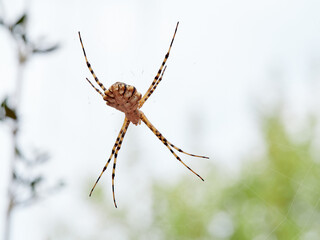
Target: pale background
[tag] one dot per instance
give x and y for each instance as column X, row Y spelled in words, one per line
column 229, row 60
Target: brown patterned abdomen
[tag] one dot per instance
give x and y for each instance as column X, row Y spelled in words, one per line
column 124, row 98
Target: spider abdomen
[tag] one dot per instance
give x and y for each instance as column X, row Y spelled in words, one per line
column 124, row 98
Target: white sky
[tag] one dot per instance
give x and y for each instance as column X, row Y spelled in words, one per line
column 229, row 59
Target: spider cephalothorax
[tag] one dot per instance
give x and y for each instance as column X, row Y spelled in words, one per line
column 128, row 100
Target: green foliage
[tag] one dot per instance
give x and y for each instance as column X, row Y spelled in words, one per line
column 276, row 196
column 184, row 211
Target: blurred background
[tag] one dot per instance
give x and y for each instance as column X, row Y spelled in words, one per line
column 242, row 87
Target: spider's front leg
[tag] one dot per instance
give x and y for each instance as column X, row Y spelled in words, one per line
column 90, row 68
column 143, row 100
column 156, row 80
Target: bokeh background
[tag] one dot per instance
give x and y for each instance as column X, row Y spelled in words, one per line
column 242, row 87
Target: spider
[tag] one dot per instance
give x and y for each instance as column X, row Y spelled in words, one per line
column 127, row 99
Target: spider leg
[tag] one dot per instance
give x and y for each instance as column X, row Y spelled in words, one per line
column 180, row 150
column 166, row 142
column 145, row 96
column 124, row 130
column 125, row 124
column 89, row 65
column 95, row 88
column 143, row 100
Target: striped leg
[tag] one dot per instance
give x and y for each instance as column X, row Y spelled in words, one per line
column 114, row 150
column 98, row 91
column 89, row 66
column 180, row 150
column 124, row 128
column 142, row 101
column 167, row 143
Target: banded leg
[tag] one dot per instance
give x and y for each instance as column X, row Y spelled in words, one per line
column 167, row 143
column 142, row 101
column 180, row 150
column 89, row 66
column 98, row 91
column 125, row 125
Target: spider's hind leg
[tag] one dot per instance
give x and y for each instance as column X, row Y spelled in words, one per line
column 168, row 144
column 124, row 130
column 114, row 153
column 180, row 150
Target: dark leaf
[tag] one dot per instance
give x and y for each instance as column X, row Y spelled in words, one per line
column 34, row 183
column 14, row 175
column 7, row 111
column 24, row 37
column 45, row 50
column 18, row 28
column 2, row 109
column 2, row 114
column 17, row 151
column 10, row 113
column 20, row 21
